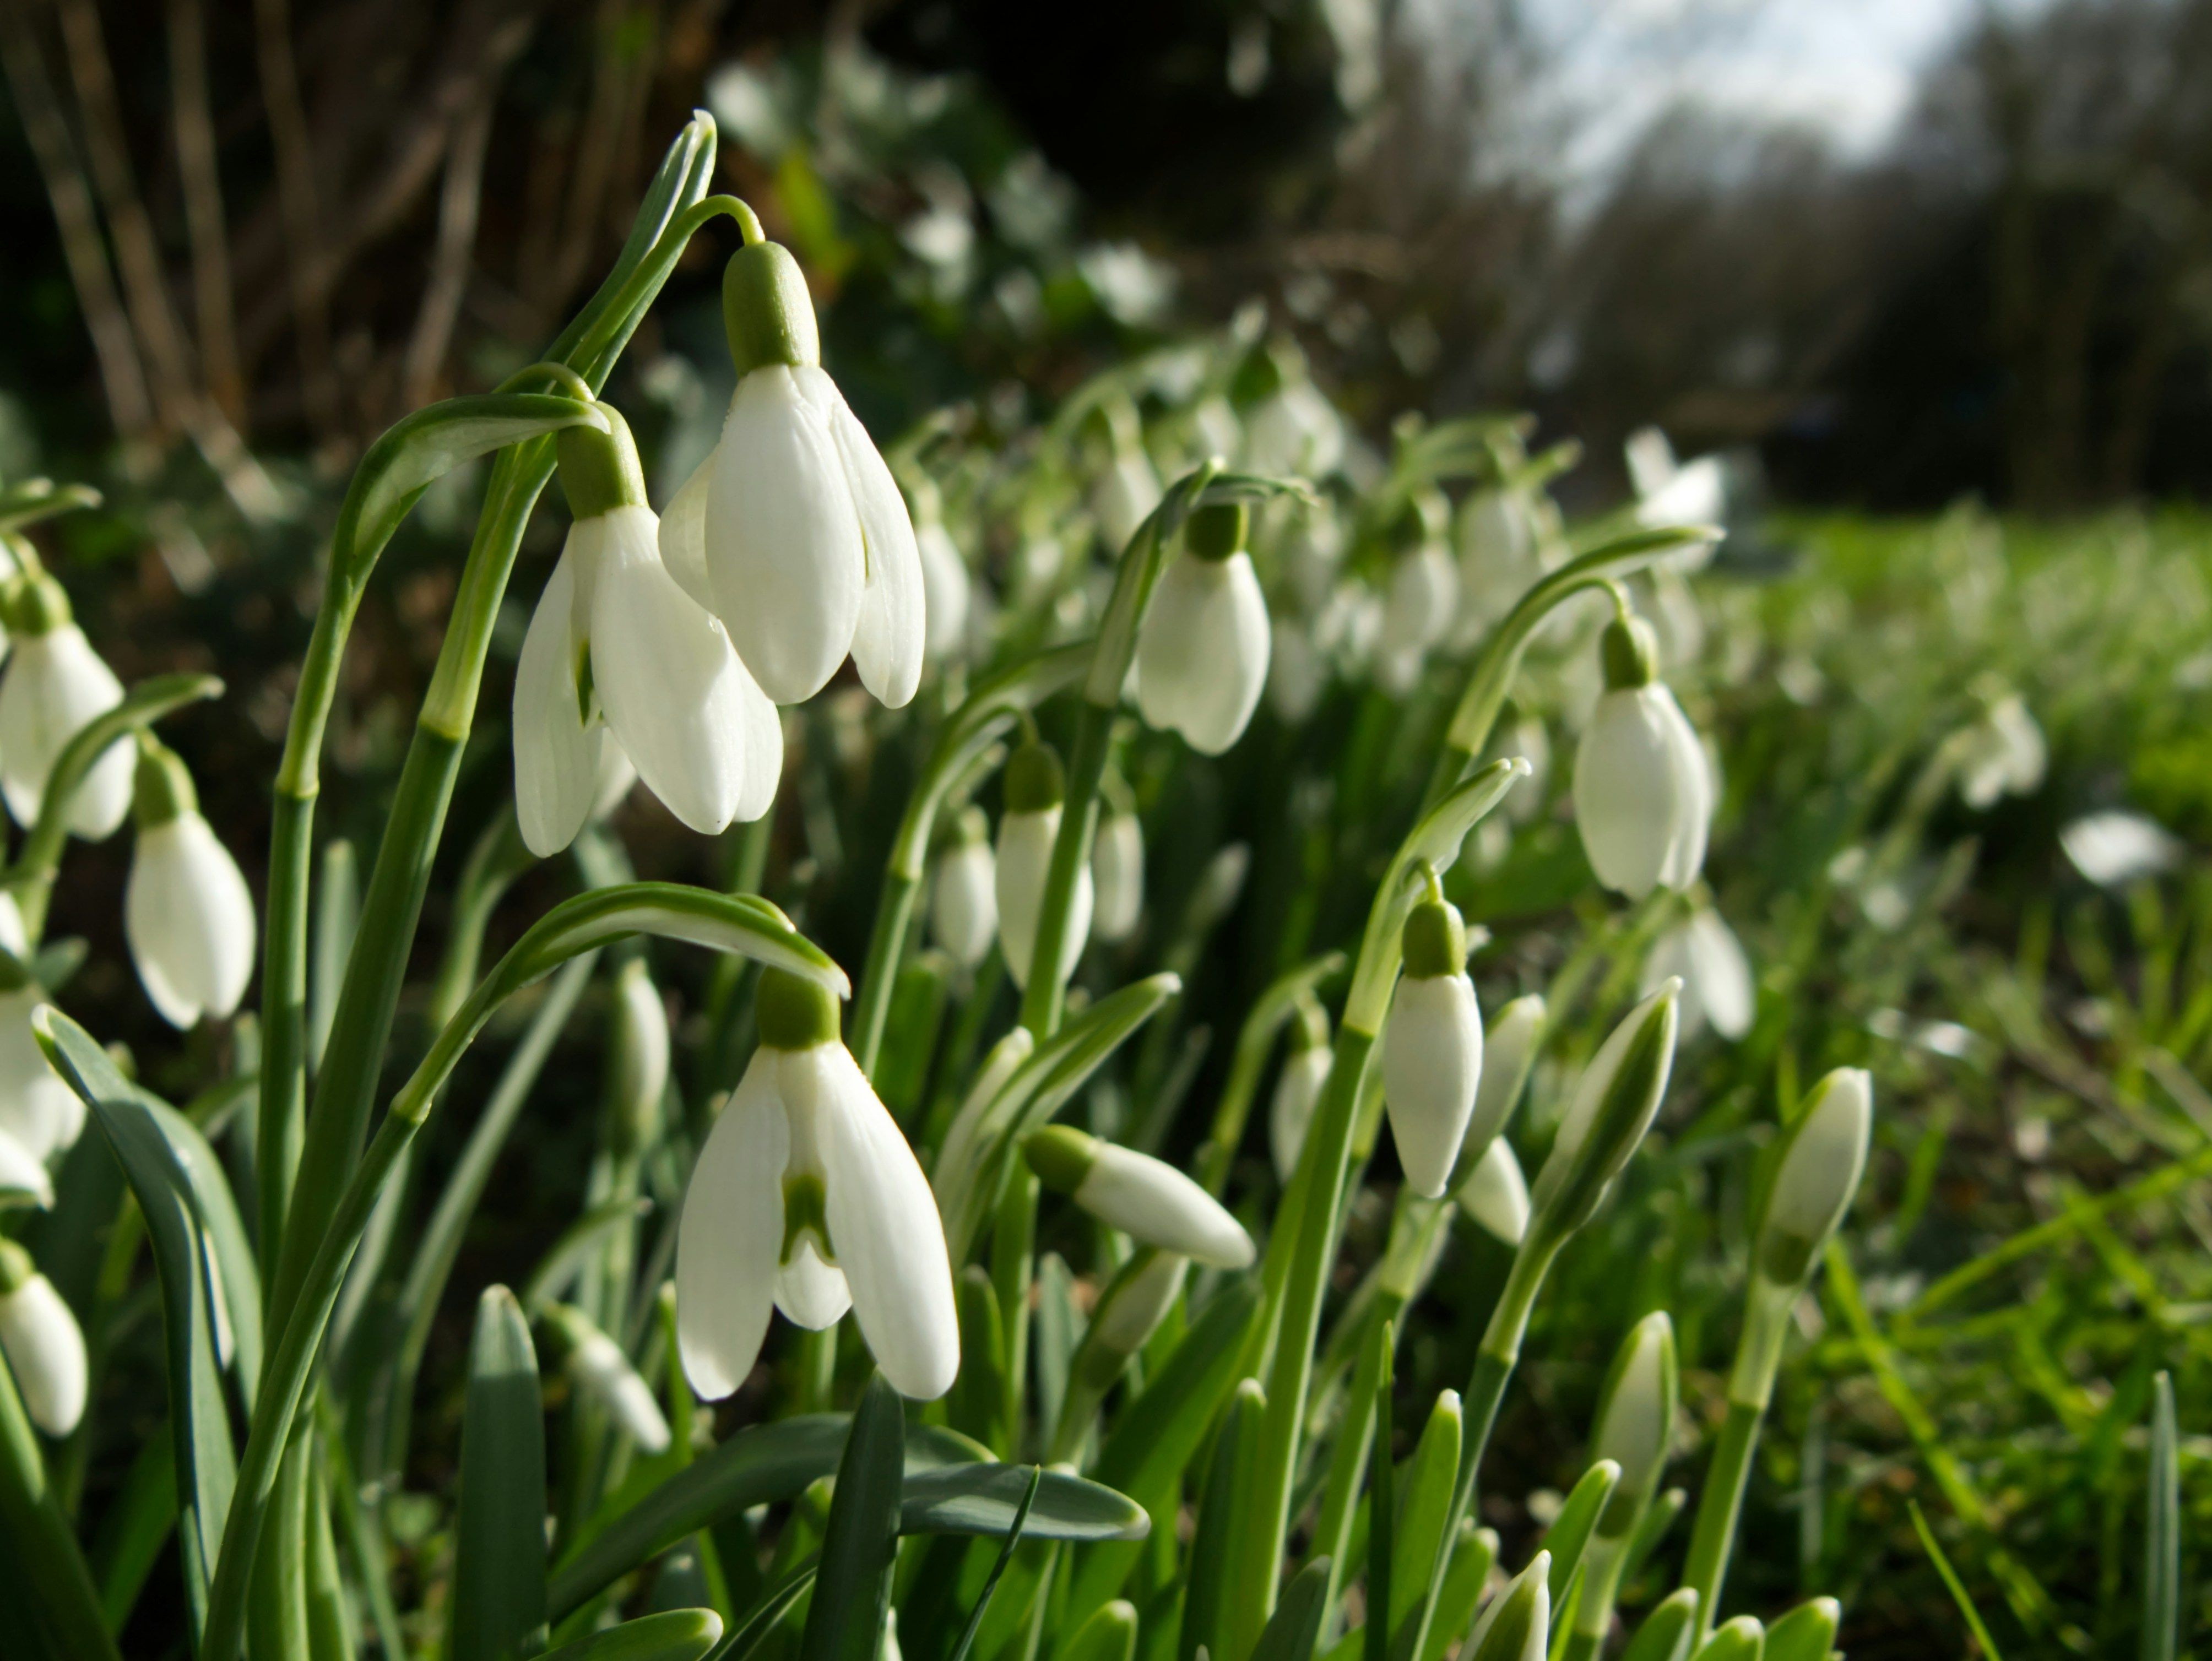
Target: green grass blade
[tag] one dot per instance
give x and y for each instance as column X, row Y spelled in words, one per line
column 1568, row 1536
column 2161, row 1633
column 1430, row 1478
column 1211, row 1560
column 1382, row 1513
column 499, row 1564
column 1293, row 1630
column 1472, row 1555
column 761, row 1619
column 135, row 1528
column 853, row 1587
column 1971, row 1616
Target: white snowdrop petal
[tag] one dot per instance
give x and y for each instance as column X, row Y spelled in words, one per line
column 1495, row 1194
column 784, row 555
column 188, row 916
column 1432, row 1064
column 46, row 1350
column 1422, row 601
column 600, row 1366
column 731, row 1234
column 55, row 682
column 1153, row 1202
column 23, row 1176
column 1129, row 492
column 1635, row 793
column 559, row 746
column 669, row 683
column 1719, row 976
column 1290, row 1116
column 1508, row 1051
column 1024, row 856
column 946, row 591
column 14, row 940
column 883, row 1226
column 891, row 634
column 36, row 1107
column 964, row 911
column 810, row 1292
column 682, row 534
column 1202, row 656
column 1686, row 760
column 1117, row 874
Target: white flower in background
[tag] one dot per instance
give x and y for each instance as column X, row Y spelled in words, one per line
column 1036, row 786
column 946, row 588
column 1130, row 285
column 1298, row 673
column 186, row 910
column 807, row 551
column 1146, row 1198
column 1497, row 558
column 637, row 1055
column 1495, row 1195
column 1129, row 490
column 2000, row 755
column 1297, row 1090
column 1816, row 1174
column 1202, row 654
column 1295, row 430
column 620, row 654
column 1313, row 555
column 601, row 1372
column 37, row 1112
column 1527, row 737
column 1716, row 978
column 1214, row 430
column 1117, row 876
column 1643, row 791
column 806, row 1198
column 55, row 683
column 1509, row 1043
column 963, row 900
column 23, row 1177
column 1432, row 1047
column 1423, row 598
column 43, row 1345
column 1669, row 493
column 2115, row 848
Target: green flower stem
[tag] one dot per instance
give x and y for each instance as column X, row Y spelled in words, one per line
column 36, row 1537
column 1491, row 680
column 986, row 715
column 1751, row 1388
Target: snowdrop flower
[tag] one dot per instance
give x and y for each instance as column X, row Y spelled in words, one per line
column 1716, row 980
column 946, row 589
column 618, row 653
column 1036, row 785
column 1670, row 494
column 1423, row 598
column 1297, row 1090
column 1129, row 490
column 637, row 1056
column 1495, row 1194
column 186, row 910
column 43, row 1345
column 802, row 543
column 1146, row 1198
column 55, row 683
column 1816, row 1173
column 2003, row 754
column 963, row 901
column 1509, row 1056
column 23, row 1177
column 2115, row 848
column 602, row 1373
column 1202, row 654
column 1432, row 1047
column 36, row 1107
column 806, row 1198
column 1298, row 673
column 1117, row 876
column 1643, row 790
column 1290, row 426
column 1497, row 558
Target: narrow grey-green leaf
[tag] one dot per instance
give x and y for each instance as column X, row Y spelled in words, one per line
column 1569, row 1535
column 1206, row 1596
column 852, row 1586
column 672, row 1635
column 984, row 1499
column 337, row 911
column 1291, row 1631
column 2161, row 1628
column 499, row 1562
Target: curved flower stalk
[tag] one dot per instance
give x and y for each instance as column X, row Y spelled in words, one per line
column 1146, row 1198
column 1813, row 1174
column 1432, row 1046
column 1202, row 653
column 186, row 910
column 963, row 905
column 807, row 552
column 54, row 684
column 41, row 1343
column 807, row 1199
column 1717, row 986
column 1644, row 794
column 1035, row 793
column 1117, row 876
column 621, row 665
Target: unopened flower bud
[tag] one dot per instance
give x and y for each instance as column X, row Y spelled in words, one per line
column 1516, row 1626
column 1808, row 1633
column 1816, row 1173
column 1432, row 1047
column 1636, row 1419
column 1613, row 1104
column 1146, row 1198
column 1202, row 655
column 1117, row 873
column 601, row 1372
column 963, row 906
column 1643, row 792
column 1036, row 786
column 1131, row 1309
column 1496, row 1195
column 42, row 1344
column 637, row 1056
column 1668, row 1631
column 1509, row 1044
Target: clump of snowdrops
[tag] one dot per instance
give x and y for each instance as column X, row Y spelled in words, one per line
column 1104, row 1392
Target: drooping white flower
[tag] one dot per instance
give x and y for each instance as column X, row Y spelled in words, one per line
column 55, row 683
column 1298, row 1089
column 1294, row 430
column 808, row 552
column 36, row 1107
column 964, row 904
column 1670, row 492
column 1716, row 980
column 1495, row 1194
column 1497, row 558
column 1117, row 876
column 23, row 1177
column 946, row 588
column 1146, row 1198
column 601, row 1372
column 1817, row 1174
column 2116, row 847
column 42, row 1344
column 1422, row 602
column 2003, row 754
column 1432, row 1048
column 1035, row 789
column 1125, row 494
column 1643, row 790
column 1202, row 656
column 618, row 653
column 806, row 1198
column 186, row 910
column 1298, row 673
